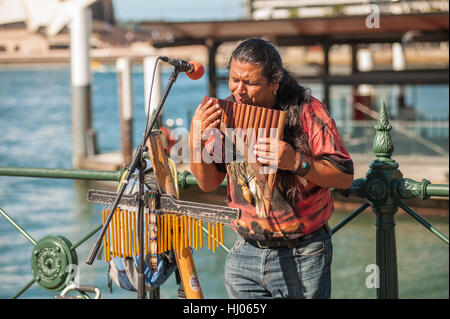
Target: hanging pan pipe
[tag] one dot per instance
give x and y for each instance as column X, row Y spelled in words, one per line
column 169, row 224
column 250, row 123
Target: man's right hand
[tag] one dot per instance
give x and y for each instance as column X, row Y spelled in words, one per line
column 209, row 116
column 206, row 117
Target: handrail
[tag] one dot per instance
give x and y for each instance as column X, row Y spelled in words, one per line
column 384, row 188
column 61, row 173
column 425, row 142
column 437, row 190
column 185, row 179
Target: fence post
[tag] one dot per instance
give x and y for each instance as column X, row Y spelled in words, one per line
column 379, row 186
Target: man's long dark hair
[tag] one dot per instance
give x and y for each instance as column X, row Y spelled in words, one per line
column 290, row 97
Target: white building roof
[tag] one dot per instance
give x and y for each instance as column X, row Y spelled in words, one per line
column 51, row 14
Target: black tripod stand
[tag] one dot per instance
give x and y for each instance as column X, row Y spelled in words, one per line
column 138, row 163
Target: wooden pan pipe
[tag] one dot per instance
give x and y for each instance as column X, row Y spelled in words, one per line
column 162, row 232
column 254, row 122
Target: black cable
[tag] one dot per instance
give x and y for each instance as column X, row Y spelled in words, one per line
column 147, row 114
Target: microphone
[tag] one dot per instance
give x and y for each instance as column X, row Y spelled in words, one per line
column 193, row 70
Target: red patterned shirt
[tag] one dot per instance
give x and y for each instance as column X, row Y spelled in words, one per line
column 316, row 204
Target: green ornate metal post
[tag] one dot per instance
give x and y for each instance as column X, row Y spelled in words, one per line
column 379, row 186
column 384, row 188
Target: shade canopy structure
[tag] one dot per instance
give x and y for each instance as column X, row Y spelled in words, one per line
column 302, row 31
column 323, row 31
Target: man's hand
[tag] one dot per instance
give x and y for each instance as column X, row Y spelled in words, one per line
column 276, row 153
column 206, row 117
column 209, row 116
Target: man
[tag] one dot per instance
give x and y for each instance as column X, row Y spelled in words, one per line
column 285, row 253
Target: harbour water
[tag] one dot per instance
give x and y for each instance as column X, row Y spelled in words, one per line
column 35, row 124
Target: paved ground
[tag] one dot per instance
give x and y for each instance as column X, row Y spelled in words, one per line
column 435, row 169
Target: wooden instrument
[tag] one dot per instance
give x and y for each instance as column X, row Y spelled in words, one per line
column 170, row 223
column 248, row 123
column 172, row 231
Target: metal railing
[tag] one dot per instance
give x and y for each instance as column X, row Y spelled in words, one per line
column 417, row 137
column 54, row 253
column 384, row 188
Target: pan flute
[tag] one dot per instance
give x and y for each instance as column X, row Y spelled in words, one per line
column 250, row 123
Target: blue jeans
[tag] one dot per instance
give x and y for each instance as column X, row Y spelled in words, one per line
column 299, row 272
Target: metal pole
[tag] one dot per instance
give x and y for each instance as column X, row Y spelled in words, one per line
column 350, row 217
column 17, row 226
column 186, row 179
column 379, row 191
column 21, row 291
column 141, row 278
column 424, row 223
column 61, row 173
column 326, row 73
column 386, row 253
column 86, row 237
column 437, row 190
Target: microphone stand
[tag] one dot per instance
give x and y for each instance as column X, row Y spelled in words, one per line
column 137, row 162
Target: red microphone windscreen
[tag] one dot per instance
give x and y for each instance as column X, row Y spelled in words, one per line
column 197, row 72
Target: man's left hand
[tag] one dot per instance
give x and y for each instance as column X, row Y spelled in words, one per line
column 270, row 151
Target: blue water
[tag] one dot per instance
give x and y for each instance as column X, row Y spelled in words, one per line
column 35, row 124
column 178, row 10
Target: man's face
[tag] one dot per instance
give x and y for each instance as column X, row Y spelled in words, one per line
column 249, row 86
